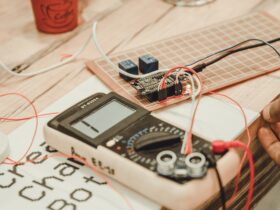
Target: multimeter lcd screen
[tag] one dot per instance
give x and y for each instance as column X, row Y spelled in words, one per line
column 103, row 119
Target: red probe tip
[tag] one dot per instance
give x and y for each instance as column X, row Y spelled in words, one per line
column 220, row 146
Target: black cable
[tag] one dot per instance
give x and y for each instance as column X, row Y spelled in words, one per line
column 242, row 49
column 222, row 191
column 213, row 164
column 201, row 66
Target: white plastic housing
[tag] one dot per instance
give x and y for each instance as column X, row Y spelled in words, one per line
column 165, row 192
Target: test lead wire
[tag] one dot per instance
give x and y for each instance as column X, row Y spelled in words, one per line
column 222, row 190
column 49, row 68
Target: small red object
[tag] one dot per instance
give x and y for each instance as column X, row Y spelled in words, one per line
column 55, row 16
column 220, row 146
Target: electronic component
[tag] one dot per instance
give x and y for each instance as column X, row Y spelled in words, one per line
column 129, row 67
column 192, row 166
column 214, row 77
column 4, row 147
column 128, row 143
column 165, row 162
column 149, row 86
column 196, row 165
column 147, row 64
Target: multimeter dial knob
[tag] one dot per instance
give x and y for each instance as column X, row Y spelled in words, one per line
column 142, row 141
column 156, row 141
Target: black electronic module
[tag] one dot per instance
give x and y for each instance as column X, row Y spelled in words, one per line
column 149, row 86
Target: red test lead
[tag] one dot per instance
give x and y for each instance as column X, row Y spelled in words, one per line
column 220, row 146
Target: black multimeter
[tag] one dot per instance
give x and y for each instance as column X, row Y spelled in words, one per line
column 127, row 142
column 94, row 119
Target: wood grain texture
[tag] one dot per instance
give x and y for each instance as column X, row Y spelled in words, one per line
column 124, row 24
column 132, row 23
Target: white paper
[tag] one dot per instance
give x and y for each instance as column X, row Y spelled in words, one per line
column 65, row 185
column 216, row 119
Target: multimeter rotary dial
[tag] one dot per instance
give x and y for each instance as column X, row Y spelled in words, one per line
column 149, row 137
column 153, row 143
column 144, row 145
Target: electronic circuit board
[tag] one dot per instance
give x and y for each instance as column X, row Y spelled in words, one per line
column 186, row 48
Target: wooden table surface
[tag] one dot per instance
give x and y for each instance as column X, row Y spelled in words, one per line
column 123, row 24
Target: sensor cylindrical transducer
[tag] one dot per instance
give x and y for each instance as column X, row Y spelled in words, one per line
column 196, row 165
column 166, row 162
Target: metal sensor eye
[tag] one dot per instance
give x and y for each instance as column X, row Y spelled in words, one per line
column 196, row 164
column 165, row 162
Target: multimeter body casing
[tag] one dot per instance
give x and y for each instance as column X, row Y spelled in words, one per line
column 164, row 191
